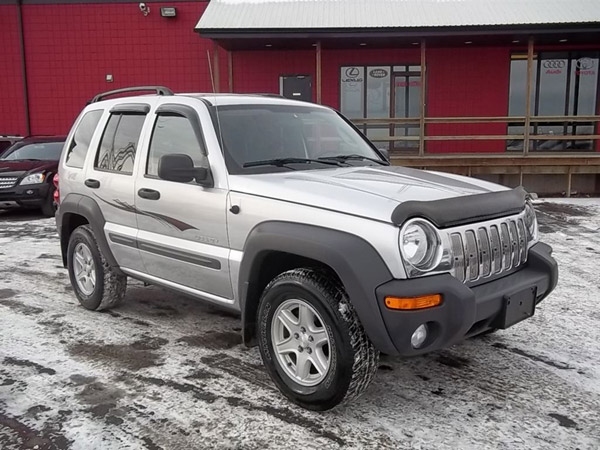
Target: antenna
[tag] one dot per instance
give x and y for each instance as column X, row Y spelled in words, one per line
column 212, row 78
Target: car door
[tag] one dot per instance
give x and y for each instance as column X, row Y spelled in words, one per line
column 110, row 182
column 182, row 231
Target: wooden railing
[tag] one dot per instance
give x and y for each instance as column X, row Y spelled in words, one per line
column 512, row 162
column 513, row 120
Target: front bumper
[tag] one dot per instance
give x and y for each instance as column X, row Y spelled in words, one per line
column 465, row 311
column 32, row 196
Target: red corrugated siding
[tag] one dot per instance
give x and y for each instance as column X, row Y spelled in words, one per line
column 467, row 82
column 71, row 48
column 259, row 71
column 12, row 105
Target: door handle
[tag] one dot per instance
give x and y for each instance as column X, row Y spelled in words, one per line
column 149, row 194
column 94, row 184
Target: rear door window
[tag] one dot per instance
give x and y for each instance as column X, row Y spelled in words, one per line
column 82, row 137
column 119, row 143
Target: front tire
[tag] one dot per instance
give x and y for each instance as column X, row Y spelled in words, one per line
column 48, row 207
column 312, row 342
column 96, row 284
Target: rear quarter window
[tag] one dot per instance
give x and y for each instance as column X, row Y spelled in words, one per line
column 82, row 137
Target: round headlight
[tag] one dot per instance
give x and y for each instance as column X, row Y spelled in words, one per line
column 531, row 221
column 420, row 244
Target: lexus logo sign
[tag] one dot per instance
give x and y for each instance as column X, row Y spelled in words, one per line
column 352, row 72
column 352, row 75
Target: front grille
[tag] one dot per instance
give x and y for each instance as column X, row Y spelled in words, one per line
column 488, row 250
column 7, row 182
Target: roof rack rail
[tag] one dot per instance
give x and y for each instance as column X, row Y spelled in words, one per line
column 271, row 95
column 160, row 90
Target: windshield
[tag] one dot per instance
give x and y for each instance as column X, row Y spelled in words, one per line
column 43, row 151
column 253, row 134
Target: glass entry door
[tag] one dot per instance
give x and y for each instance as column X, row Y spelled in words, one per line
column 381, row 93
column 406, row 104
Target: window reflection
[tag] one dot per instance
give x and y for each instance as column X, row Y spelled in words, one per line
column 564, row 83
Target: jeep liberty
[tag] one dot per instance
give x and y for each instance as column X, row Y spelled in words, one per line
column 284, row 212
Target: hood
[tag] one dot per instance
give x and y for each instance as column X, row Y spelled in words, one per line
column 21, row 167
column 372, row 192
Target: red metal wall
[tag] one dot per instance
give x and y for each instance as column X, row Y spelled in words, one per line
column 70, row 49
column 468, row 82
column 12, row 105
column 259, row 71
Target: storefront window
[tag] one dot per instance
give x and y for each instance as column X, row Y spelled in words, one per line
column 383, row 92
column 564, row 83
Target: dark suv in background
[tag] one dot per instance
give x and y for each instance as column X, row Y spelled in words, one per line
column 26, row 172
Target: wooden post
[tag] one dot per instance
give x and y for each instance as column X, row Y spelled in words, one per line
column 230, row 69
column 318, row 70
column 528, row 95
column 520, row 175
column 422, row 109
column 216, row 72
column 569, row 180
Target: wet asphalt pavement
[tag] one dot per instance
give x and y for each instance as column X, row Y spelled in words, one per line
column 164, row 371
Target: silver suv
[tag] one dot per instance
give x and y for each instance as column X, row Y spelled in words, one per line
column 284, row 212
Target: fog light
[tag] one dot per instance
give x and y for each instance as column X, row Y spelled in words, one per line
column 419, row 336
column 29, row 192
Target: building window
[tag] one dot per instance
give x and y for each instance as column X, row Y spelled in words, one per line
column 563, row 84
column 384, row 92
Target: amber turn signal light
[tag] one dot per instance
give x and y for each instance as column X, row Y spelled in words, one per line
column 408, row 303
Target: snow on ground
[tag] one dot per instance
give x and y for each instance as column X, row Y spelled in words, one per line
column 164, row 371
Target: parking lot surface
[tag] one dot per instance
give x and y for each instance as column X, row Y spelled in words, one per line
column 165, row 371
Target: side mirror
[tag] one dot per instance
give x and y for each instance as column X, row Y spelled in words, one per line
column 180, row 168
column 385, row 152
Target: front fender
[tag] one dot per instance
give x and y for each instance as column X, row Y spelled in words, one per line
column 358, row 265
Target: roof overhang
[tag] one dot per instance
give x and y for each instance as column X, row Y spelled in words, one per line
column 240, row 24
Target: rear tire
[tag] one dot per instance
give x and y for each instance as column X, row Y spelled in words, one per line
column 96, row 284
column 342, row 368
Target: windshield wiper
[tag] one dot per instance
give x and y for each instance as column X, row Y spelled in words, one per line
column 361, row 157
column 280, row 162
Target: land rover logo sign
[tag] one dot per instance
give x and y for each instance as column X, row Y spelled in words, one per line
column 378, row 73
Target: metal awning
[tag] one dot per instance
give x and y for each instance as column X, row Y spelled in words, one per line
column 258, row 18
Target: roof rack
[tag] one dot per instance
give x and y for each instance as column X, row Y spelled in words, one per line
column 271, row 95
column 160, row 90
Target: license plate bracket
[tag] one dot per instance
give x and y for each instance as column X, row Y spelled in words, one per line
column 517, row 307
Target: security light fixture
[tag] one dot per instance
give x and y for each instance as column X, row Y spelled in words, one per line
column 468, row 42
column 563, row 40
column 516, row 41
column 168, row 11
column 362, row 44
column 268, row 45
